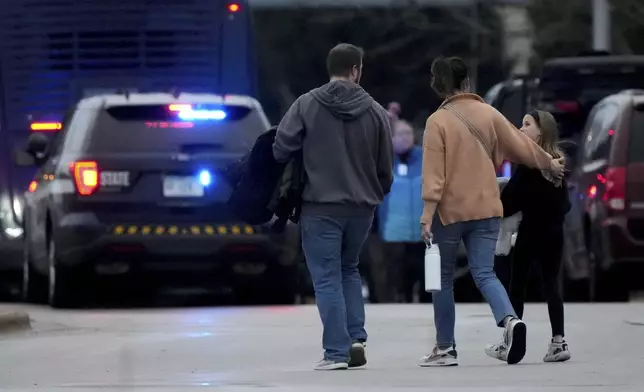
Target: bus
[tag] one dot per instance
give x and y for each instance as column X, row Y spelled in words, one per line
column 55, row 52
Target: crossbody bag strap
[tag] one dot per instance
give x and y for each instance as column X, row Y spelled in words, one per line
column 472, row 128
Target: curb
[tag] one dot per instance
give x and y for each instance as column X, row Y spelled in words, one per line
column 14, row 321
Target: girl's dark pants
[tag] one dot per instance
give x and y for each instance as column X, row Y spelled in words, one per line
column 543, row 246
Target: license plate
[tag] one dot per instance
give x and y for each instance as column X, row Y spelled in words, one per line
column 182, row 187
column 115, row 178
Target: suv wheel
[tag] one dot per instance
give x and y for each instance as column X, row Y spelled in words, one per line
column 34, row 284
column 606, row 284
column 62, row 291
column 278, row 286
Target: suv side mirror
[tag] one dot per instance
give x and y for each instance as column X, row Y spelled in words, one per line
column 35, row 153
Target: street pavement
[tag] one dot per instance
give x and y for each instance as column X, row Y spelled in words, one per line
column 274, row 349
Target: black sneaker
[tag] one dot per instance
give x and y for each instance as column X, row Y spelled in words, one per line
column 515, row 340
column 357, row 357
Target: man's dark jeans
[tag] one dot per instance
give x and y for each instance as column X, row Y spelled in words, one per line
column 331, row 246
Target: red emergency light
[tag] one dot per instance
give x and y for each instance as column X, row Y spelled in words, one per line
column 39, row 127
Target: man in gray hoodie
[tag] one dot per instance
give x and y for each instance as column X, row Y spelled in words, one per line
column 345, row 139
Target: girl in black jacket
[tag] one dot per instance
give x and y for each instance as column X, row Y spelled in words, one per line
column 543, row 202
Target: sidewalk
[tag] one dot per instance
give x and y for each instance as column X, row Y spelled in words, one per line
column 12, row 318
column 274, row 349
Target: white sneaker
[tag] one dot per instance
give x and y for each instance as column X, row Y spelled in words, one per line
column 497, row 351
column 439, row 358
column 327, row 364
column 516, row 335
column 512, row 347
column 557, row 352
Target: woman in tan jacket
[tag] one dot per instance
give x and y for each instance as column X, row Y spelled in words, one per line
column 465, row 142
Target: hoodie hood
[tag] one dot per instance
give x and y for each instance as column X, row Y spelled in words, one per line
column 346, row 100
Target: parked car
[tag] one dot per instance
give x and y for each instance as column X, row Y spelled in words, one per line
column 11, row 239
column 569, row 87
column 131, row 187
column 607, row 189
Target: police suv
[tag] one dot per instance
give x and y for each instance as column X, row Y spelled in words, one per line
column 133, row 186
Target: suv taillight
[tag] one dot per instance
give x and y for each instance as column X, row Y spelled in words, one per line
column 615, row 195
column 567, row 106
column 86, row 177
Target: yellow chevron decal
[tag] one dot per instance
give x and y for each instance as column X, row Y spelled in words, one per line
column 184, row 230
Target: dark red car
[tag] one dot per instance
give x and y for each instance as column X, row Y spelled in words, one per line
column 608, row 188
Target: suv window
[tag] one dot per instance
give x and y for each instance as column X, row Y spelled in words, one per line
column 599, row 137
column 157, row 129
column 512, row 106
column 636, row 140
column 76, row 130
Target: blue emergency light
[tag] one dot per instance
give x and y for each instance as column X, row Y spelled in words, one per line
column 205, row 178
column 507, row 169
column 187, row 112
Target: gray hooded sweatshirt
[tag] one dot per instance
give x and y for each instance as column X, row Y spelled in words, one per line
column 345, row 139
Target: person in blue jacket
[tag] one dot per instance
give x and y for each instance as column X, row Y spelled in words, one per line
column 398, row 217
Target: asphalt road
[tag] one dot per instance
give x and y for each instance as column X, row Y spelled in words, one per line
column 247, row 349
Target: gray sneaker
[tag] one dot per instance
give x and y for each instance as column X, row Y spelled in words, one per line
column 439, row 358
column 557, row 352
column 327, row 364
column 357, row 357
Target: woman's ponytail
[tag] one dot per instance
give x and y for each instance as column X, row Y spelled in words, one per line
column 442, row 81
column 448, row 75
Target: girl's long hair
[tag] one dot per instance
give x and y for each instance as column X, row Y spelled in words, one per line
column 549, row 140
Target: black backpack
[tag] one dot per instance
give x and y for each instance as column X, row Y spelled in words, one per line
column 257, row 175
column 287, row 198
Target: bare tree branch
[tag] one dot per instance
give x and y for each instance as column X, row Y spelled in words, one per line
column 464, row 17
column 633, row 9
column 431, row 54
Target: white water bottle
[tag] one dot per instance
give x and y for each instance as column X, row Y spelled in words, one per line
column 432, row 267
